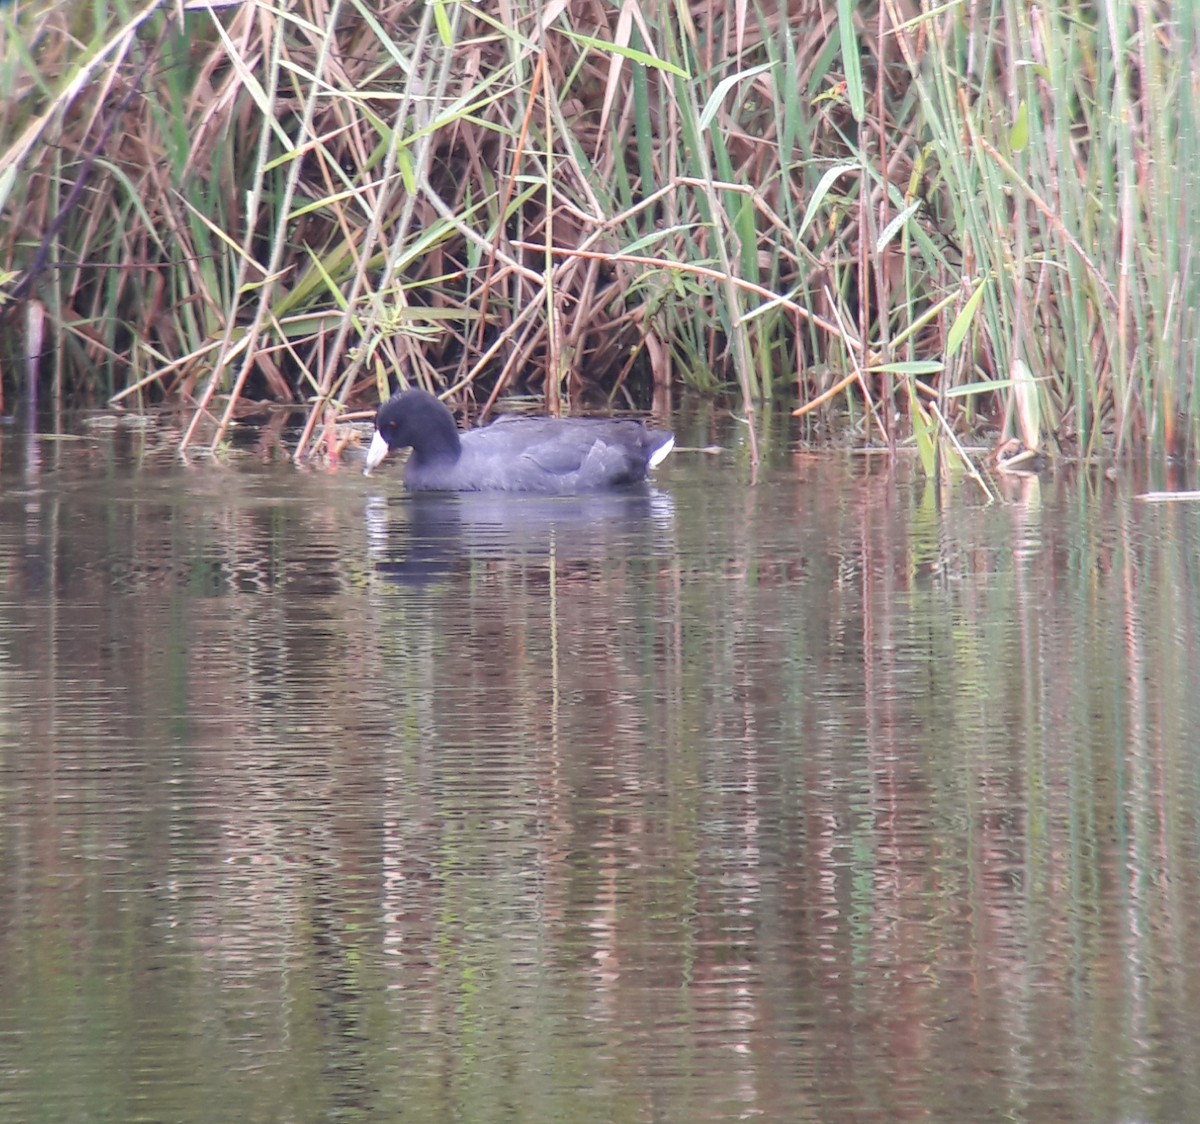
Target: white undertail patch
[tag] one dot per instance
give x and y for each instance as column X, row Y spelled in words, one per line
column 660, row 454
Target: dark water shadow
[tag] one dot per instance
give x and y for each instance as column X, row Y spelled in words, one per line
column 419, row 539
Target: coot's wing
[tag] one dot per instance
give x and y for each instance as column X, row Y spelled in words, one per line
column 587, row 454
column 549, row 455
column 537, row 445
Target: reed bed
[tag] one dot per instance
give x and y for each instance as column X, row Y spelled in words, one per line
column 921, row 219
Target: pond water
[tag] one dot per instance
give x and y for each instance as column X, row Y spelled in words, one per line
column 840, row 797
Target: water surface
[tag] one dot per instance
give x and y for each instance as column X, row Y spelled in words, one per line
column 839, row 797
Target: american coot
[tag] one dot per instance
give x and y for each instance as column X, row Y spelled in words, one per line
column 546, row 455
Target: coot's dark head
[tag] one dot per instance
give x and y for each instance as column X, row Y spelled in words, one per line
column 417, row 420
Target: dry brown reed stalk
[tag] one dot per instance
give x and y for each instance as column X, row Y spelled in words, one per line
column 318, row 201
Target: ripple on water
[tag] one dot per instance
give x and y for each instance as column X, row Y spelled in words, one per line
column 809, row 801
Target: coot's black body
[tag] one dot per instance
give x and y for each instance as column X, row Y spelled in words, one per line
column 548, row 456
